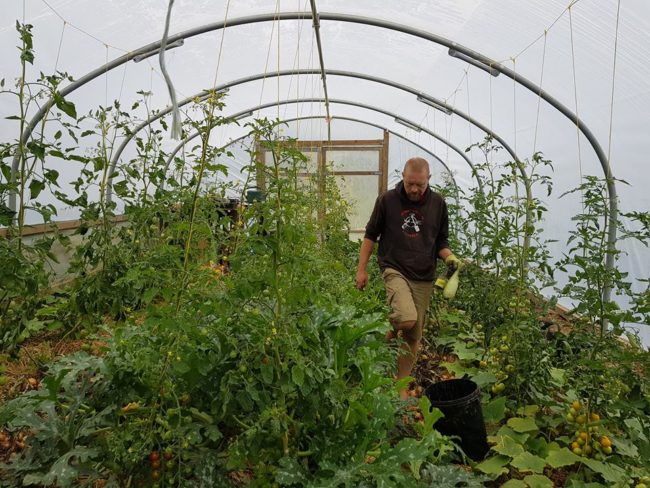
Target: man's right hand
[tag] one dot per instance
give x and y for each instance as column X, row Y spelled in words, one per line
column 362, row 279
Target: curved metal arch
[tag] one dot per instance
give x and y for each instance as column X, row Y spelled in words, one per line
column 363, row 76
column 453, row 46
column 356, row 104
column 350, row 74
column 195, row 134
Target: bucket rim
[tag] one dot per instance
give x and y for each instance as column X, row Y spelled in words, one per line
column 476, row 394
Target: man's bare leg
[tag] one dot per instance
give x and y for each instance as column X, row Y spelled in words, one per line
column 407, row 355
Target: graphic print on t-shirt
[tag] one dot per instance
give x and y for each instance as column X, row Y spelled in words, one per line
column 411, row 222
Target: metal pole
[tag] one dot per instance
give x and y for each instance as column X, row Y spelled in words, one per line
column 194, row 135
column 316, row 24
column 344, row 102
column 518, row 78
column 351, row 74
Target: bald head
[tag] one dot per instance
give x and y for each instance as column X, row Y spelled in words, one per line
column 416, row 178
column 417, row 165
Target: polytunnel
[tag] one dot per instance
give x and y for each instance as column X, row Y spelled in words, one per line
column 324, row 243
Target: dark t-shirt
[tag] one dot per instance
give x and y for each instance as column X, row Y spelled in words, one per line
column 410, row 233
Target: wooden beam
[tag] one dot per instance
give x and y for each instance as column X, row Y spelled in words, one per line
column 33, row 230
column 345, row 143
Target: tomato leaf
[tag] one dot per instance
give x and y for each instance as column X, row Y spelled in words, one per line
column 37, row 149
column 298, row 375
column 65, row 106
column 35, row 188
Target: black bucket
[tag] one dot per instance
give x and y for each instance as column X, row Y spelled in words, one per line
column 460, row 401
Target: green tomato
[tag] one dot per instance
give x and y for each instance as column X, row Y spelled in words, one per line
column 499, row 387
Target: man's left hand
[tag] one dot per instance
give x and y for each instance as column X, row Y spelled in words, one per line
column 452, row 259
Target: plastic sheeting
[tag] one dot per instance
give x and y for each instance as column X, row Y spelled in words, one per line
column 569, row 52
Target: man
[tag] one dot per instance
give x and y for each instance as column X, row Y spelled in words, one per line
column 411, row 224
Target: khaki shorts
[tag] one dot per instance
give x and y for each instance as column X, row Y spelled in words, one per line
column 408, row 300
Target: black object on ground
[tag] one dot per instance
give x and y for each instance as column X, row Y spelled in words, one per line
column 460, row 401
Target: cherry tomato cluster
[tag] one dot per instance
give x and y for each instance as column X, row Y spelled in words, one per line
column 587, row 441
column 156, row 462
column 644, row 482
column 501, row 361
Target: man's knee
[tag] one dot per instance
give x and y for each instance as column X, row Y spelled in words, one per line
column 404, row 326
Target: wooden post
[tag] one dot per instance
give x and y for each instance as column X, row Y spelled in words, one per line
column 383, row 165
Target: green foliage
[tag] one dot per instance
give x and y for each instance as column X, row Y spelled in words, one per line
column 241, row 348
column 64, row 420
column 24, row 264
column 273, row 367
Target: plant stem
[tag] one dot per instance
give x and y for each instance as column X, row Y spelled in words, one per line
column 21, row 150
